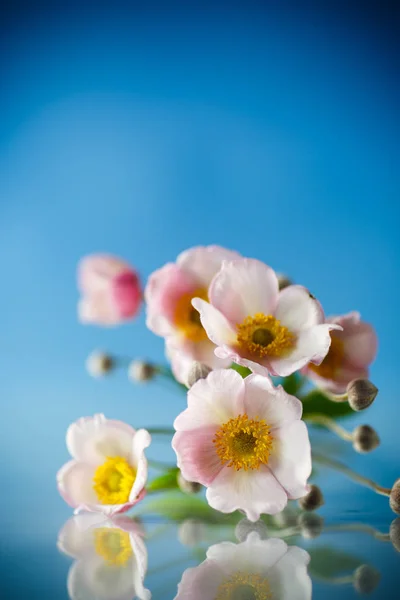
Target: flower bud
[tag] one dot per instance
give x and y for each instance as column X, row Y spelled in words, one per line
column 197, row 371
column 394, row 498
column 394, row 533
column 361, row 393
column 365, row 439
column 189, row 487
column 99, row 364
column 285, row 519
column 313, row 500
column 245, row 527
column 366, row 579
column 192, row 532
column 283, row 281
column 140, row 371
column 311, row 525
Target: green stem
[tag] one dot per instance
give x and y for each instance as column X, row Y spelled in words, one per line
column 160, row 430
column 330, row 424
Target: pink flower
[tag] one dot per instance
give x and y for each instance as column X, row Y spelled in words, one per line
column 110, row 557
column 255, row 325
column 170, row 314
column 111, row 291
column 350, row 354
column 255, row 568
column 109, row 469
column 244, row 440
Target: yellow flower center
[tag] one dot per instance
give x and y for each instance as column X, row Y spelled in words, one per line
column 243, row 443
column 332, row 361
column 113, row 545
column 263, row 335
column 244, row 586
column 113, row 480
column 187, row 318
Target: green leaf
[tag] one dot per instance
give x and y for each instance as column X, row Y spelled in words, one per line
column 327, row 562
column 316, row 402
column 243, row 371
column 177, row 506
column 292, row 384
column 166, row 481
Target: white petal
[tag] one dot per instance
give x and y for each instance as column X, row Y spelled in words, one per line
column 93, row 579
column 254, row 555
column 141, row 440
column 217, row 327
column 76, row 537
column 290, row 461
column 202, row 582
column 203, row 262
column 93, row 439
column 243, row 288
column 255, row 492
column 289, row 579
column 75, row 482
column 182, row 354
column 297, row 309
column 264, row 401
column 312, row 345
column 213, row 401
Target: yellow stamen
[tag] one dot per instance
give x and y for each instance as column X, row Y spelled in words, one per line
column 263, row 335
column 113, row 481
column 187, row 318
column 113, row 545
column 244, row 586
column 332, row 361
column 243, row 443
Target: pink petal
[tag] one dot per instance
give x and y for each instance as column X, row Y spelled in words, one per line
column 290, row 461
column 217, row 327
column 126, row 294
column 98, row 309
column 254, row 492
column 297, row 309
column 163, row 290
column 95, row 271
column 243, row 288
column 202, row 582
column 264, row 401
column 312, row 345
column 93, row 439
column 213, row 401
column 196, row 454
column 360, row 344
column 203, row 262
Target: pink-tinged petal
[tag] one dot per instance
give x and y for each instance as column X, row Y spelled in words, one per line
column 243, row 288
column 110, row 510
column 290, row 461
column 95, row 272
column 272, row 404
column 98, row 309
column 75, row 483
column 164, row 288
column 261, row 368
column 182, row 353
column 203, row 262
column 93, row 439
column 202, row 582
column 360, row 345
column 297, row 309
column 217, row 327
column 288, row 579
column 312, row 345
column 126, row 294
column 213, row 401
column 141, row 441
column 343, row 376
column 196, row 455
column 76, row 537
column 254, row 492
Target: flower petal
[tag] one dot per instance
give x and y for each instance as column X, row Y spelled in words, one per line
column 290, row 461
column 264, row 401
column 75, row 538
column 212, row 401
column 298, row 309
column 93, row 439
column 289, row 579
column 182, row 354
column 202, row 582
column 197, row 458
column 243, row 288
column 217, row 327
column 312, row 346
column 254, row 492
column 203, row 262
column 75, row 483
column 360, row 342
column 96, row 270
column 141, row 440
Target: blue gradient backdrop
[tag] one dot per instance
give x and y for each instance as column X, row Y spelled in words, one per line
column 143, row 130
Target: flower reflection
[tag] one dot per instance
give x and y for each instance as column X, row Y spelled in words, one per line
column 256, row 569
column 110, row 555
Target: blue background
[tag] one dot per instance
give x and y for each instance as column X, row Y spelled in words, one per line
column 142, row 130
